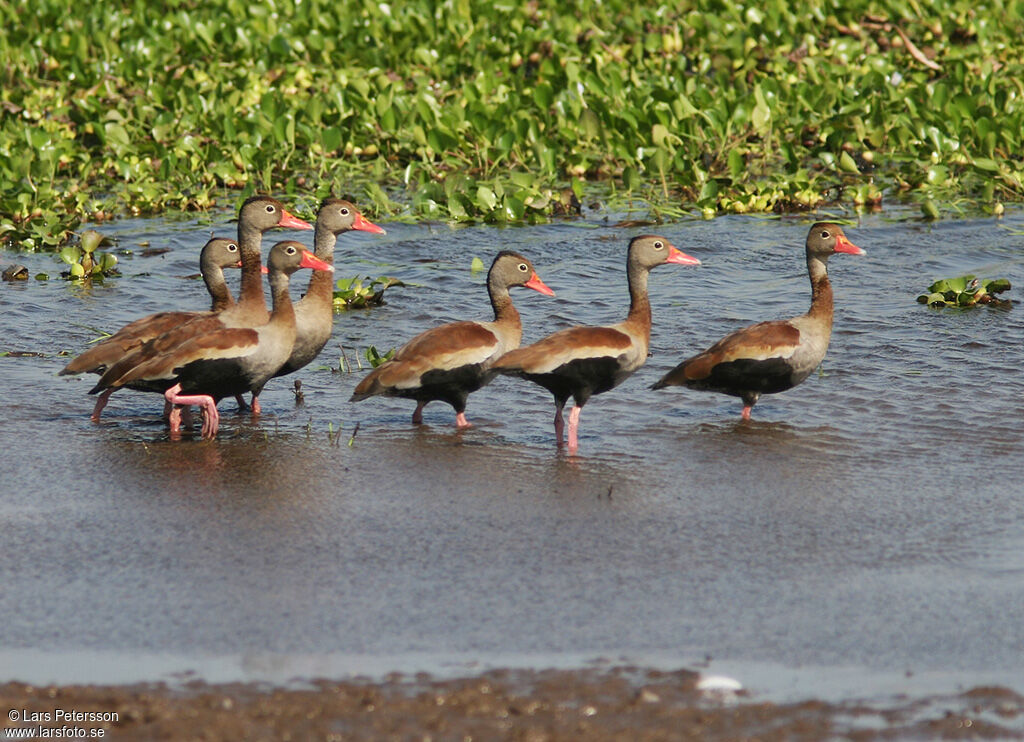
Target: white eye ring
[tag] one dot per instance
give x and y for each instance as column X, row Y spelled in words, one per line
column 290, row 250
column 658, row 245
column 344, row 211
column 232, row 247
column 825, row 234
column 270, row 208
column 523, row 267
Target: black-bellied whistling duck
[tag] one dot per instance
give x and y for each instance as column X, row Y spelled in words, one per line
column 218, row 253
column 257, row 215
column 773, row 356
column 449, row 362
column 581, row 361
column 204, row 367
column 314, row 312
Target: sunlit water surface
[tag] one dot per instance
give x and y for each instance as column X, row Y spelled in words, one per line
column 865, row 527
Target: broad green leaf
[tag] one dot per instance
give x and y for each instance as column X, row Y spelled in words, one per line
column 485, row 197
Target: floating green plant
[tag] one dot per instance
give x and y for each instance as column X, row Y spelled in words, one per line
column 352, row 293
column 966, row 291
column 373, row 356
column 488, row 111
column 86, row 263
column 376, row 358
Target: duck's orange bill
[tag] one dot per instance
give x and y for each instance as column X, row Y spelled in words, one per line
column 289, row 221
column 361, row 222
column 538, row 285
column 678, row 256
column 309, row 260
column 844, row 245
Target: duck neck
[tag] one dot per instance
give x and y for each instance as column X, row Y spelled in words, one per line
column 321, row 284
column 821, row 290
column 250, row 239
column 639, row 318
column 505, row 313
column 220, row 296
column 283, row 311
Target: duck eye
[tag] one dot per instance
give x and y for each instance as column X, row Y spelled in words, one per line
column 232, row 247
column 270, row 208
column 344, row 212
column 291, row 250
column 824, row 234
column 658, row 245
column 523, row 268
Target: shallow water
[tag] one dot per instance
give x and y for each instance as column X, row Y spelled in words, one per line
column 865, row 526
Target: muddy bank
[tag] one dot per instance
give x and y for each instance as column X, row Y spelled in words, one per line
column 624, row 703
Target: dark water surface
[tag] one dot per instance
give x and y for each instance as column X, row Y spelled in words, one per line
column 863, row 535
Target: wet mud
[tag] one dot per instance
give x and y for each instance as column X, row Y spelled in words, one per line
column 625, row 703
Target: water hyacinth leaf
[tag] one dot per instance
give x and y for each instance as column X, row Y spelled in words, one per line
column 659, row 135
column 761, row 116
column 847, row 164
column 476, row 265
column 930, row 210
column 90, row 240
column 331, row 139
column 590, row 124
column 107, row 262
column 117, row 136
column 986, row 164
column 71, row 255
column 997, row 286
column 486, row 198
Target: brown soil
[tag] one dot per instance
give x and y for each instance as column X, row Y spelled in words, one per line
column 621, row 704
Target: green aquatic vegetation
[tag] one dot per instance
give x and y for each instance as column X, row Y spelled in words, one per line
column 85, row 261
column 376, row 358
column 352, row 293
column 509, row 112
column 373, row 357
column 966, row 291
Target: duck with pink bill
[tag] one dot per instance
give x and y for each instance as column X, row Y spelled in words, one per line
column 774, row 356
column 203, row 367
column 582, row 361
column 449, row 362
column 256, row 216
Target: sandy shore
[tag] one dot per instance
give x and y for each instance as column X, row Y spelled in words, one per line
column 624, row 703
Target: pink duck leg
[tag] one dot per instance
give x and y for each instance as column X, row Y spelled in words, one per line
column 255, row 405
column 417, row 414
column 559, row 425
column 462, row 422
column 174, row 419
column 746, row 412
column 100, row 404
column 574, row 424
column 211, row 419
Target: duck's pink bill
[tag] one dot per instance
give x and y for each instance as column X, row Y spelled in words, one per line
column 678, row 256
column 361, row 222
column 309, row 260
column 538, row 285
column 844, row 245
column 289, row 221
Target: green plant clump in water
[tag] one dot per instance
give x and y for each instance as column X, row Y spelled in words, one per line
column 352, row 293
column 376, row 358
column 86, row 263
column 505, row 112
column 966, row 291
